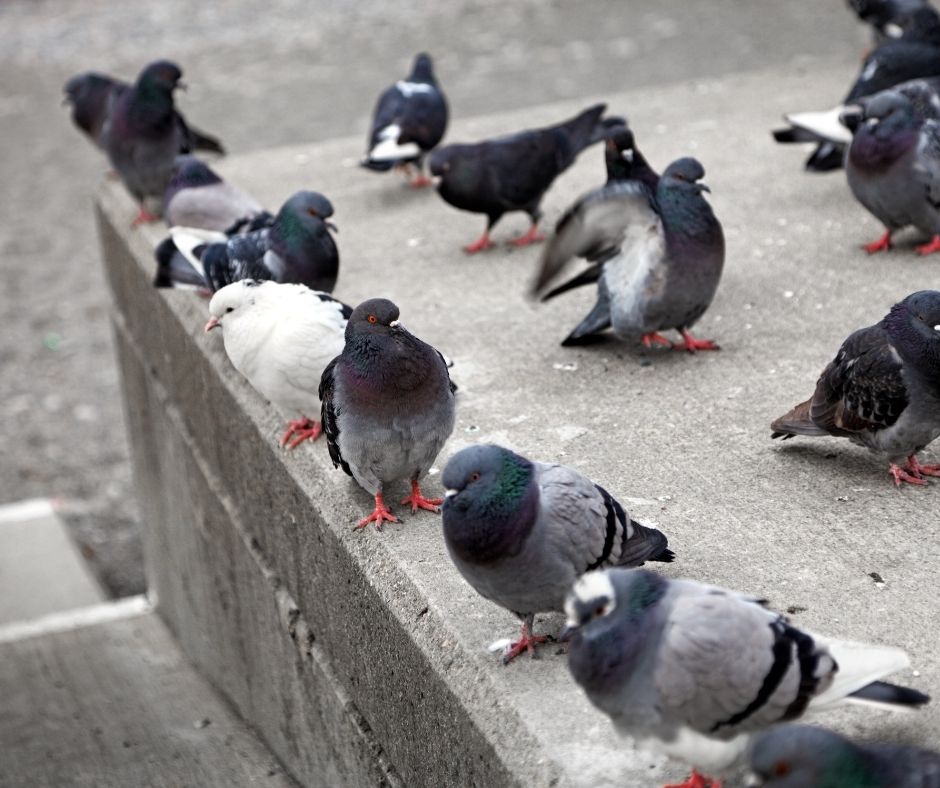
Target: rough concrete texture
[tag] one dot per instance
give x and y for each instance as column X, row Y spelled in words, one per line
column 683, row 441
column 274, row 72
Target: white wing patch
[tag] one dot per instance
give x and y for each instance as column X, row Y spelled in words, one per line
column 388, row 148
column 409, row 89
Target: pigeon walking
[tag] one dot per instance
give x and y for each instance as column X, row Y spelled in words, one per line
column 882, row 390
column 800, row 756
column 409, row 121
column 513, row 173
column 388, row 407
column 197, row 197
column 144, row 133
column 296, row 248
column 693, row 670
column 521, row 532
column 281, row 337
column 661, row 256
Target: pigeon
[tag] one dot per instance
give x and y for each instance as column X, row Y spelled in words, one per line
column 693, row 670
column 409, row 121
column 281, row 337
column 800, row 756
column 521, row 532
column 661, row 256
column 197, row 197
column 894, row 18
column 90, row 95
column 893, row 168
column 296, row 248
column 512, row 173
column 144, row 133
column 388, row 407
column 882, row 390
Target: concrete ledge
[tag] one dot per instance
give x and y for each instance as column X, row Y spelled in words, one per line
column 360, row 657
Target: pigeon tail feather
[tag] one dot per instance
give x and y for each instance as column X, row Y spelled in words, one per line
column 862, row 665
column 796, row 422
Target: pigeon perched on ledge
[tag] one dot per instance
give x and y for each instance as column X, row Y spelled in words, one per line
column 388, row 407
column 281, row 337
column 693, row 670
column 512, row 173
column 521, row 532
column 409, row 121
column 197, row 197
column 882, row 390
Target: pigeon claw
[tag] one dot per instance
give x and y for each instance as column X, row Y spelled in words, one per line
column 883, row 244
column 691, row 344
column 653, row 338
column 420, row 181
column 696, row 780
column 418, row 501
column 526, row 642
column 380, row 514
column 300, row 430
column 909, row 475
column 929, row 248
column 480, row 244
column 144, row 217
column 531, row 237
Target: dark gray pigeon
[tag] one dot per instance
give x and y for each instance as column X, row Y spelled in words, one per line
column 409, row 121
column 897, row 19
column 388, row 407
column 296, row 248
column 893, row 168
column 693, row 670
column 521, row 532
column 197, row 197
column 800, row 756
column 90, row 96
column 144, row 133
column 661, row 256
column 882, row 390
column 513, row 173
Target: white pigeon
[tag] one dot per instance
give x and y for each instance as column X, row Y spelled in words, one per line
column 280, row 337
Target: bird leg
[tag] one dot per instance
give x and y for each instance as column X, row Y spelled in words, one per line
column 144, row 217
column 301, row 429
column 692, row 344
column 930, row 248
column 420, row 180
column 531, row 237
column 526, row 642
column 652, row 338
column 901, row 475
column 481, row 243
column 418, row 501
column 696, row 780
column 883, row 244
column 914, row 467
column 380, row 513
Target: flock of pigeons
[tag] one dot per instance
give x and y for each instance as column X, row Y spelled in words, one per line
column 697, row 671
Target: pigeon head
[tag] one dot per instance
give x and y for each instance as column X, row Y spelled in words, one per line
column 490, row 505
column 423, row 69
column 887, row 128
column 375, row 317
column 685, row 174
column 441, row 162
column 598, row 594
column 160, row 75
column 619, row 154
column 230, row 301
column 889, row 111
column 304, row 213
column 794, row 756
column 916, row 322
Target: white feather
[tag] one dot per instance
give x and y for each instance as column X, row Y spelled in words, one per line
column 389, row 149
column 825, row 125
column 188, row 238
column 859, row 665
column 409, row 89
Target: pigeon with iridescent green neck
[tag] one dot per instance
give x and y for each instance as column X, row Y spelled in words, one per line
column 521, row 532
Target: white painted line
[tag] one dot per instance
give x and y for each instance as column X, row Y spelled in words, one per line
column 66, row 620
column 31, row 509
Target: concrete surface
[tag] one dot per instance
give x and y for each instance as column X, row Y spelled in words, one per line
column 273, row 72
column 241, row 528
column 41, row 571
column 116, row 704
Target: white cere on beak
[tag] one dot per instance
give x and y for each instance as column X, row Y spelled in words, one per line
column 450, row 493
column 936, row 328
column 627, row 155
column 393, row 324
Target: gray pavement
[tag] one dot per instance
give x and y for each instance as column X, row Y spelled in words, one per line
column 277, row 72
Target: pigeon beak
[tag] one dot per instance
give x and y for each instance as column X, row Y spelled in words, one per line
column 66, row 100
column 450, row 493
column 182, row 86
column 332, row 226
column 214, row 322
column 752, row 780
column 565, row 635
column 703, row 188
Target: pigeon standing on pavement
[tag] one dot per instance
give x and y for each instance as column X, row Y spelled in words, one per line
column 521, row 532
column 197, row 197
column 693, row 670
column 882, row 390
column 661, row 256
column 513, row 173
column 144, row 133
column 281, row 337
column 893, row 168
column 388, row 407
column 800, row 756
column 296, row 248
column 409, row 121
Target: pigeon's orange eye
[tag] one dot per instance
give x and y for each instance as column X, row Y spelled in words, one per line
column 373, row 319
column 781, row 769
column 475, row 476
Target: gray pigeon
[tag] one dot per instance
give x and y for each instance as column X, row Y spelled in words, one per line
column 893, row 168
column 800, row 756
column 197, row 197
column 144, row 134
column 882, row 390
column 296, row 248
column 662, row 256
column 388, row 406
column 693, row 670
column 521, row 532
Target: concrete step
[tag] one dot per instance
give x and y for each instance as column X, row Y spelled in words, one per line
column 103, row 696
